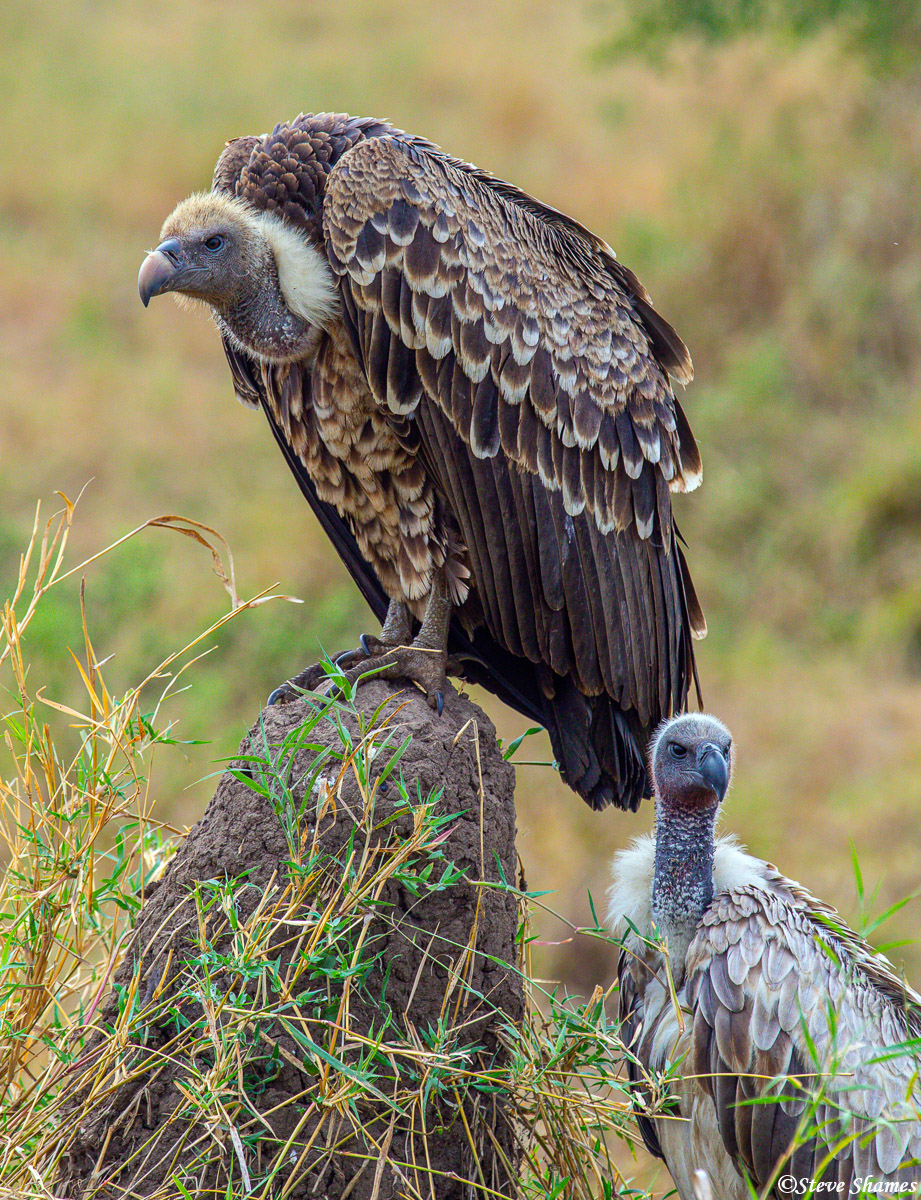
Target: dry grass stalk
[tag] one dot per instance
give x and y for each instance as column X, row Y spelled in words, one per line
column 83, row 847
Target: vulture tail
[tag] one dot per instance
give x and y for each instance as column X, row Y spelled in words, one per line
column 598, row 747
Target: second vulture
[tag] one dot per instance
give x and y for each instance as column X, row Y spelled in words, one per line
column 786, row 1049
column 476, row 399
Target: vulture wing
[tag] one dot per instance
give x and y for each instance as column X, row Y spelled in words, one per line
column 537, row 374
column 632, row 1011
column 800, row 1028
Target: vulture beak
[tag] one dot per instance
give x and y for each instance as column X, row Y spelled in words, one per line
column 161, row 271
column 713, row 768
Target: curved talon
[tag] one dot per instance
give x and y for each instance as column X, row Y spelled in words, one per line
column 439, row 702
column 280, row 692
column 364, row 644
column 311, row 679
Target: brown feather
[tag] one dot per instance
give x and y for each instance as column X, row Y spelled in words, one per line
column 525, row 372
column 484, row 424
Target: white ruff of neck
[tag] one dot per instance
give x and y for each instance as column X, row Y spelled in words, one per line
column 304, row 275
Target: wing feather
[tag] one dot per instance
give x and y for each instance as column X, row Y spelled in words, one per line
column 520, row 563
column 630, row 1010
column 595, row 562
column 542, row 357
column 749, row 1040
column 499, row 541
column 523, row 500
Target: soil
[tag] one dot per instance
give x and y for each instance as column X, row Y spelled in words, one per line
column 133, row 1132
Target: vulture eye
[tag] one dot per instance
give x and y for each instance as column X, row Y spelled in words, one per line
column 214, row 243
column 677, row 750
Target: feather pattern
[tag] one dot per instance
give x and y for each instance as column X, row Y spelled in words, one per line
column 494, row 397
column 527, row 310
column 787, row 1002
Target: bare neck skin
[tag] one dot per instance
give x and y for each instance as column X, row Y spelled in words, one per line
column 682, row 888
column 257, row 318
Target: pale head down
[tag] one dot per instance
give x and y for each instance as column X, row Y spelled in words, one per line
column 270, row 288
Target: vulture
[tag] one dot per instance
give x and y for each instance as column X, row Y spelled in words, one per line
column 477, row 401
column 787, row 1048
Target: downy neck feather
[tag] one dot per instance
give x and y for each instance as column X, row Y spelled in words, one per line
column 633, row 871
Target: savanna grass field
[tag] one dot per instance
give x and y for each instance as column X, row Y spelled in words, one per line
column 765, row 189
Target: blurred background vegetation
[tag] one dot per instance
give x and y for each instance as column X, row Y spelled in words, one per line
column 759, row 169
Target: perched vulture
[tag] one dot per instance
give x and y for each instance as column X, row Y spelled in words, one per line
column 476, row 399
column 791, row 1047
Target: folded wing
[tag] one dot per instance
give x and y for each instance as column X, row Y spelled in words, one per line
column 538, row 375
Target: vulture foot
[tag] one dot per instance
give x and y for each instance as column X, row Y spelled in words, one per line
column 391, row 656
column 312, row 679
column 419, row 664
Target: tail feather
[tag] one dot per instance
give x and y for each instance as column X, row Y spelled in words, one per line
column 599, row 748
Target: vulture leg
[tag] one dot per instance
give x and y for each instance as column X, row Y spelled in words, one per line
column 396, row 631
column 424, row 659
column 392, row 655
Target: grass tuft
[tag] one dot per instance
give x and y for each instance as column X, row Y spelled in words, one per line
column 268, row 978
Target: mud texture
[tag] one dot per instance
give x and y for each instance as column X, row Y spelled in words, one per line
column 269, row 1100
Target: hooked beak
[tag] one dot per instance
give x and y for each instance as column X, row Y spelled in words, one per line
column 161, row 271
column 713, row 769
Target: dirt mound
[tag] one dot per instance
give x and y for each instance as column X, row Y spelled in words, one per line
column 312, row 997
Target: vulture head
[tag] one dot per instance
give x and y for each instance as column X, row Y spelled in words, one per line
column 270, row 289
column 691, row 764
